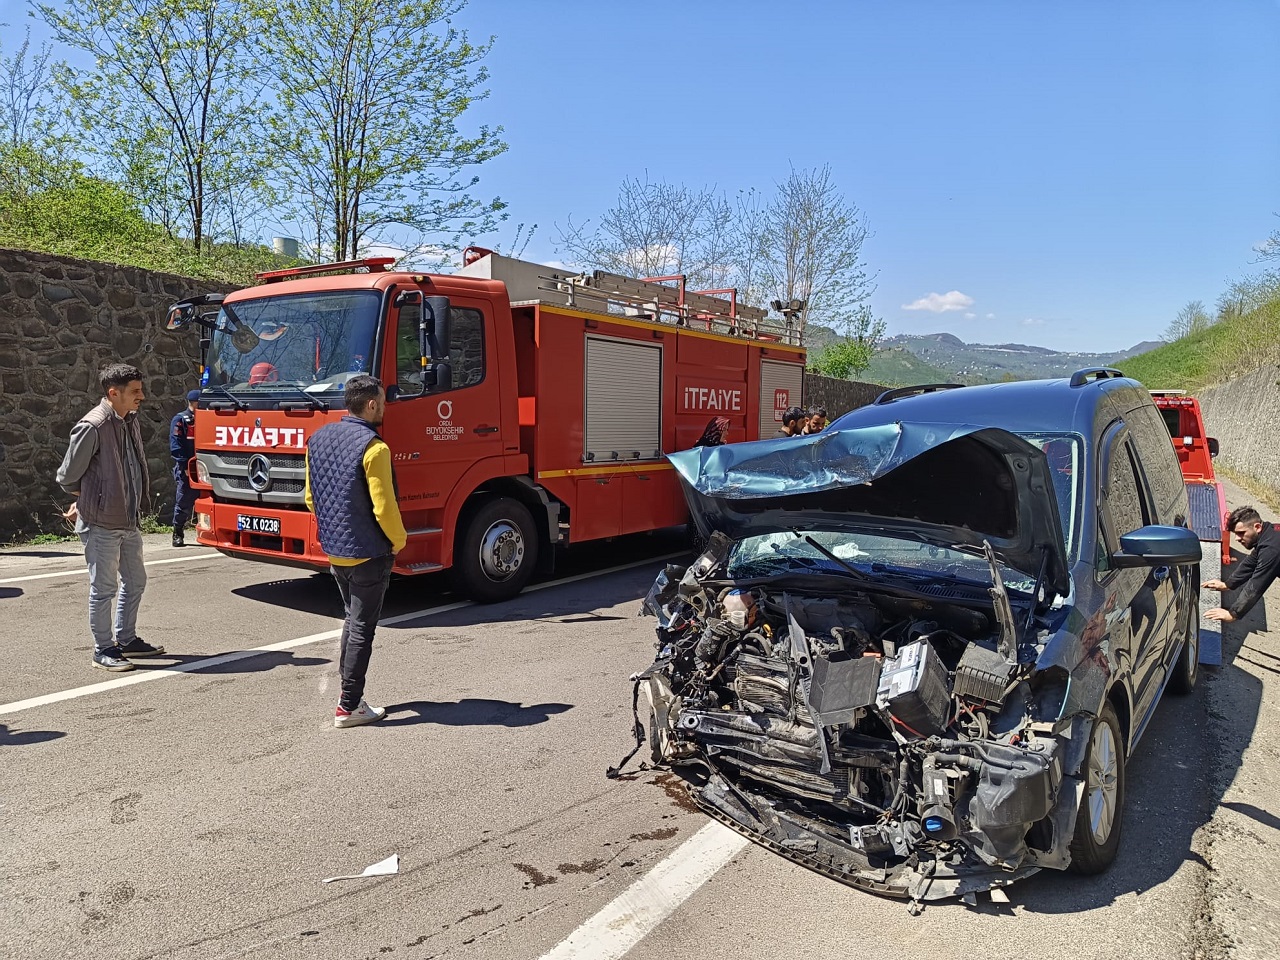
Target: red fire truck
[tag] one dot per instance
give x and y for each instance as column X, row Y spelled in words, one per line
column 1195, row 456
column 529, row 406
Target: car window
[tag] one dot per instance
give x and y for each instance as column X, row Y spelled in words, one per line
column 1124, row 504
column 466, row 348
column 1159, row 461
column 1063, row 451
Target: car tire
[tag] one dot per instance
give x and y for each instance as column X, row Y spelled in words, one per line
column 1101, row 813
column 496, row 551
column 1186, row 670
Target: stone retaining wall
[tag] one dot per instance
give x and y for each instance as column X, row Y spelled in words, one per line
column 838, row 396
column 1244, row 414
column 60, row 320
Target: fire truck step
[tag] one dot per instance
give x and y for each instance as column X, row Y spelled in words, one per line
column 424, row 531
column 426, row 567
column 1205, row 519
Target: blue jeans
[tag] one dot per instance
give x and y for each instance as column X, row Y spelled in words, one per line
column 116, row 581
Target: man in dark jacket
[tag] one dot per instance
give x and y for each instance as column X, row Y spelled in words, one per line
column 793, row 421
column 1252, row 575
column 105, row 468
column 182, row 447
column 352, row 492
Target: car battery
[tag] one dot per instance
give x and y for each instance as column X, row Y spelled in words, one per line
column 913, row 690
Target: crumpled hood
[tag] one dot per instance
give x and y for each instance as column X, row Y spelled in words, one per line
column 950, row 484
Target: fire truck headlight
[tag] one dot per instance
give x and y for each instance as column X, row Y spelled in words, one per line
column 202, row 472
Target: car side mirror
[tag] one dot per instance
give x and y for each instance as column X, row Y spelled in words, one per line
column 1157, row 546
column 1213, row 446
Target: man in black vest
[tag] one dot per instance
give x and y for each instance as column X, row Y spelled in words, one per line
column 105, row 468
column 1255, row 572
column 351, row 490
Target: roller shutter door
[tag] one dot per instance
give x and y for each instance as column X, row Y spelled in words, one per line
column 780, row 383
column 623, row 403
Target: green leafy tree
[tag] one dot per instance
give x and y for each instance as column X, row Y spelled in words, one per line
column 851, row 354
column 366, row 130
column 172, row 99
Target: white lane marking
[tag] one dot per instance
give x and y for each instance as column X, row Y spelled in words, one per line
column 636, row 911
column 82, row 571
column 178, row 669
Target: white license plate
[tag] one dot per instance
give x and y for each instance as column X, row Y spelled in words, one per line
column 258, row 524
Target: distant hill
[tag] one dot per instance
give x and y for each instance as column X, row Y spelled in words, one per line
column 928, row 358
column 899, row 367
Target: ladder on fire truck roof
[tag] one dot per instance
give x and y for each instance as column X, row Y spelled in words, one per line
column 658, row 299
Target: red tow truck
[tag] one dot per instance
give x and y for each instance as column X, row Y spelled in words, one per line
column 528, row 406
column 1195, row 456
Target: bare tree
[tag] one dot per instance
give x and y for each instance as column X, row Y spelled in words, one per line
column 813, row 247
column 659, row 230
column 22, row 92
column 1192, row 318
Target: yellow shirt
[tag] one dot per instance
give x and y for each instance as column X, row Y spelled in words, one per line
column 377, row 472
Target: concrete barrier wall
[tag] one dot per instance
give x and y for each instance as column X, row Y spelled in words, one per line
column 60, row 320
column 1244, row 414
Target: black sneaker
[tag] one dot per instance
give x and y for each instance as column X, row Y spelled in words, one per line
column 178, row 541
column 111, row 659
column 137, row 647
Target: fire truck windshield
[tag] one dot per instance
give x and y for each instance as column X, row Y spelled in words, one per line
column 316, row 341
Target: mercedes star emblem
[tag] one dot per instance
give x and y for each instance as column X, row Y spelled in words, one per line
column 259, row 472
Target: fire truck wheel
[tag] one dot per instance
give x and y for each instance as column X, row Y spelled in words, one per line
column 496, row 551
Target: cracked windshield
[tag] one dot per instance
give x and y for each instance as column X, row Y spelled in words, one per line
column 834, row 551
column 314, row 341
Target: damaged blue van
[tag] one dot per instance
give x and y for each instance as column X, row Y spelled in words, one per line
column 921, row 645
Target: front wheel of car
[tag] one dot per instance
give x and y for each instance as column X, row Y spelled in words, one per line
column 1187, row 668
column 1098, row 821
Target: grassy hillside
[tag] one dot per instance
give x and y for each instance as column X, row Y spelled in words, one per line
column 1231, row 346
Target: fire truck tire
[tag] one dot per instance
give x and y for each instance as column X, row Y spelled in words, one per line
column 496, row 551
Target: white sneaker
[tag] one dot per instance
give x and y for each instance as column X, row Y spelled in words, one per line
column 359, row 716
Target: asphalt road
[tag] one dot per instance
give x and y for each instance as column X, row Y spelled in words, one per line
column 194, row 814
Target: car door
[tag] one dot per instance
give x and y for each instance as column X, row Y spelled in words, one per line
column 1140, row 597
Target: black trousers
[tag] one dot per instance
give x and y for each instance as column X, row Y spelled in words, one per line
column 362, row 587
column 184, row 498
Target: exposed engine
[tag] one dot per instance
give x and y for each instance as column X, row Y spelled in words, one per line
column 881, row 736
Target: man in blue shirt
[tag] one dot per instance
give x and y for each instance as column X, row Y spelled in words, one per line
column 182, row 447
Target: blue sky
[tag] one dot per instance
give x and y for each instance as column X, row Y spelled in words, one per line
column 1077, row 170
column 1066, row 174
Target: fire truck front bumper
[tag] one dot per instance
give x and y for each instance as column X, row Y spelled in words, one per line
column 270, row 534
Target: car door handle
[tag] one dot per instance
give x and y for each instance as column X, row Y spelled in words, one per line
column 1160, row 574
column 484, row 430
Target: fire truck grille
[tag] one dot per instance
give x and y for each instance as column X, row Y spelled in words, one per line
column 279, row 486
column 294, row 461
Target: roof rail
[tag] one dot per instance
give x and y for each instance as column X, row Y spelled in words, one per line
column 1094, row 374
column 373, row 264
column 901, row 392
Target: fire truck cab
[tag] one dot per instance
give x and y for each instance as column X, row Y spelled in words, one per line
column 527, row 406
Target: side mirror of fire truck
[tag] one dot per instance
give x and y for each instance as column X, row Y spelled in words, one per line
column 434, row 337
column 1213, row 446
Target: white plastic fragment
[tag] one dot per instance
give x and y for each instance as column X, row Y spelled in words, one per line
column 998, row 895
column 383, row 868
